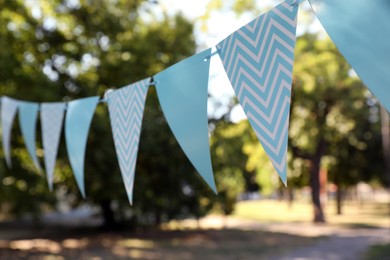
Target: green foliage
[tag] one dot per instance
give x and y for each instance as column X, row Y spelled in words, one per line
column 229, row 162
column 379, row 252
column 332, row 105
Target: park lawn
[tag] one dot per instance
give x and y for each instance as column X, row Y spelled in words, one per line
column 354, row 214
column 378, row 252
column 151, row 244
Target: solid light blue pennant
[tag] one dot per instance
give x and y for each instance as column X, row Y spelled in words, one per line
column 77, row 122
column 126, row 108
column 182, row 92
column 9, row 108
column 361, row 31
column 52, row 115
column 28, row 114
column 258, row 59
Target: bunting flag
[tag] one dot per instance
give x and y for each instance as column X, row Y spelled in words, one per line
column 182, row 92
column 77, row 122
column 361, row 31
column 9, row 108
column 126, row 108
column 52, row 115
column 258, row 59
column 28, row 114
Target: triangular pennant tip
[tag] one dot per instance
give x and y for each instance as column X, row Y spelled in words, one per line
column 77, row 123
column 52, row 115
column 28, row 115
column 258, row 59
column 126, row 108
column 182, row 90
column 9, row 108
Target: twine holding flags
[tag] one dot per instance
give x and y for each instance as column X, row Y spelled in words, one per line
column 258, row 59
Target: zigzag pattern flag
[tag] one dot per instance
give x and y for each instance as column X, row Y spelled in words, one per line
column 28, row 115
column 126, row 108
column 9, row 108
column 258, row 59
column 52, row 115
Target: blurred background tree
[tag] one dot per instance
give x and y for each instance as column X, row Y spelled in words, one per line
column 333, row 126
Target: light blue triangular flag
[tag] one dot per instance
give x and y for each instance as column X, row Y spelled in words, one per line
column 258, row 59
column 126, row 107
column 361, row 31
column 182, row 92
column 52, row 115
column 28, row 114
column 77, row 122
column 9, row 108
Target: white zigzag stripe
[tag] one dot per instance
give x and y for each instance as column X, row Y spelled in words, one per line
column 265, row 103
column 258, row 59
column 272, row 23
column 264, row 142
column 263, row 88
column 285, row 104
column 52, row 115
column 268, row 118
column 255, row 43
column 126, row 108
column 287, row 6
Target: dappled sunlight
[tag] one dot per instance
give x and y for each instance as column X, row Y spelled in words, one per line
column 134, row 253
column 194, row 240
column 136, row 243
column 75, row 243
column 41, row 245
column 354, row 213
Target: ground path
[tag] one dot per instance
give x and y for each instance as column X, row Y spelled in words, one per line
column 339, row 243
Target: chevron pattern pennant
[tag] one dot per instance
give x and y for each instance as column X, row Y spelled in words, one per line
column 52, row 115
column 9, row 108
column 126, row 108
column 77, row 123
column 258, row 59
column 28, row 115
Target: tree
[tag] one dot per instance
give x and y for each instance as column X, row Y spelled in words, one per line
column 229, row 162
column 63, row 50
column 330, row 117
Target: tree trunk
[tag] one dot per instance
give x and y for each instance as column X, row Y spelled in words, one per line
column 315, row 179
column 315, row 191
column 108, row 215
column 338, row 195
column 339, row 200
column 315, row 164
column 290, row 198
column 157, row 217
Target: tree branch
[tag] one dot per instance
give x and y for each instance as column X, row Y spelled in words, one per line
column 297, row 152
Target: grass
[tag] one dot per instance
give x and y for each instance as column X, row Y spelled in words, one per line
column 354, row 214
column 378, row 252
